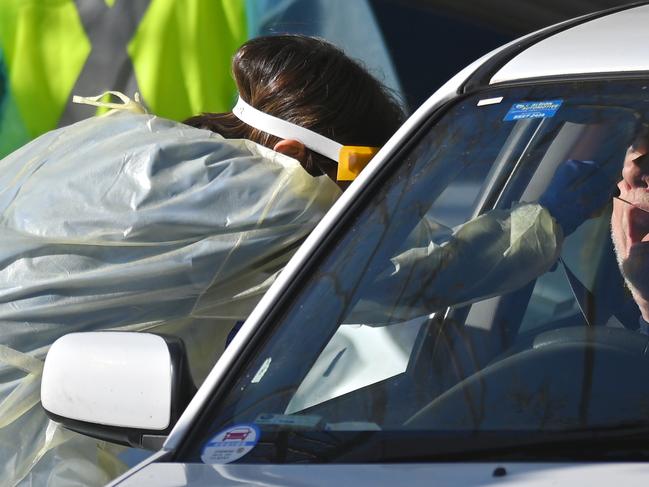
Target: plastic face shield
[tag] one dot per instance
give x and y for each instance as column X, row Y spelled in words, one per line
column 351, row 159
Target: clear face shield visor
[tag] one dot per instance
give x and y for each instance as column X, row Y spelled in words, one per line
column 351, row 159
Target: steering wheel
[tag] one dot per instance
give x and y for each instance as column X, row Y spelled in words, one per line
column 567, row 378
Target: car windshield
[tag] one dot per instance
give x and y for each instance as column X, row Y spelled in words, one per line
column 412, row 338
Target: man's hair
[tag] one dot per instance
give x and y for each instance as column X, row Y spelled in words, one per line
column 311, row 83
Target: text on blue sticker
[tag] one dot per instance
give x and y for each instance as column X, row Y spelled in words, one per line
column 533, row 109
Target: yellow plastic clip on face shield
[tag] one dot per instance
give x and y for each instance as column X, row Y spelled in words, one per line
column 351, row 159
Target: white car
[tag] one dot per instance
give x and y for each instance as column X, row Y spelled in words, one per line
column 343, row 375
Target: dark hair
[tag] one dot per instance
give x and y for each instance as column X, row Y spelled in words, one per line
column 311, row 83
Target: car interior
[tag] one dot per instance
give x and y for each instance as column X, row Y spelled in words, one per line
column 560, row 353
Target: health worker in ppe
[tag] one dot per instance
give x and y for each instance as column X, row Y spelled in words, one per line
column 134, row 222
column 492, row 254
column 497, row 252
column 161, row 227
column 526, row 239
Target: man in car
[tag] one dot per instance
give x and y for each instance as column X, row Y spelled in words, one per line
column 630, row 224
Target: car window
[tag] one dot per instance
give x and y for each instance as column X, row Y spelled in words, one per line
column 412, row 324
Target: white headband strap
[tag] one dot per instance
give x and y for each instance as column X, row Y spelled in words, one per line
column 286, row 130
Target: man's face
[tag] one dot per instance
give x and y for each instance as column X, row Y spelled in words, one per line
column 630, row 224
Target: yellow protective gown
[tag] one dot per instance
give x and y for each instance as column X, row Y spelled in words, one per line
column 132, row 222
column 492, row 254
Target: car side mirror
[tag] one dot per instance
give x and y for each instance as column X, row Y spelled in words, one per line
column 125, row 387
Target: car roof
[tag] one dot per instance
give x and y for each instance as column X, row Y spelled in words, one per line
column 615, row 43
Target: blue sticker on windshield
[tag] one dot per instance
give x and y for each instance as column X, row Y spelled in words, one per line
column 533, row 109
column 231, row 444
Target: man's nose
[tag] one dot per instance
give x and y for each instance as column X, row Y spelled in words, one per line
column 636, row 171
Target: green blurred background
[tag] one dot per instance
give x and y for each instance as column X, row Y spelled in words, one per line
column 176, row 53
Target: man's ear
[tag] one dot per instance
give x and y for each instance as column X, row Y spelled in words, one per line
column 291, row 148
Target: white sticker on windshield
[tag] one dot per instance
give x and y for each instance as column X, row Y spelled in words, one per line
column 231, row 444
column 490, row 101
column 352, row 426
column 292, row 420
column 262, row 371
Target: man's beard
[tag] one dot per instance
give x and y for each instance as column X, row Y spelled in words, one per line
column 635, row 268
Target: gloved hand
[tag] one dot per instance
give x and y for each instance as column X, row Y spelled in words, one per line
column 577, row 191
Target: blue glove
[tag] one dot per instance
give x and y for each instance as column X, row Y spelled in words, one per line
column 577, row 191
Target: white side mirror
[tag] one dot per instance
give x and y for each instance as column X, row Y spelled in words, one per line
column 123, row 387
